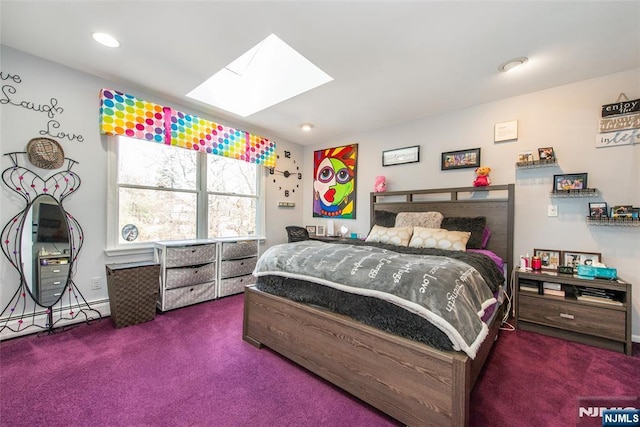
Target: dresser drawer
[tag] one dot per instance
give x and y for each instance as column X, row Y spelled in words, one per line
column 602, row 322
column 189, row 255
column 238, row 267
column 193, row 275
column 234, row 285
column 54, row 270
column 241, row 249
column 180, row 297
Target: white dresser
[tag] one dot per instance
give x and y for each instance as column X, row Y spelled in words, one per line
column 238, row 259
column 188, row 272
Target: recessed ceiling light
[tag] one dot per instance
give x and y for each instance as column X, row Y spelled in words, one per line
column 106, row 40
column 512, row 64
column 306, row 127
column 267, row 74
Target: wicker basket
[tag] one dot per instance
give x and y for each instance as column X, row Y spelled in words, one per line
column 133, row 292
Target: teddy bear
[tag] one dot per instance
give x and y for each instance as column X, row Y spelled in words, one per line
column 380, row 184
column 482, row 177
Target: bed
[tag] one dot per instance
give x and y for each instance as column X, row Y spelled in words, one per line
column 409, row 380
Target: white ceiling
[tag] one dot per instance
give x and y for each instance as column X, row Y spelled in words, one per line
column 392, row 61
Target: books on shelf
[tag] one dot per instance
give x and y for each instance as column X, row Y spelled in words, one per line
column 528, row 288
column 554, row 292
column 599, row 300
column 550, row 285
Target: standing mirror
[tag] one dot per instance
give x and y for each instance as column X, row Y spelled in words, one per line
column 45, row 250
column 42, row 242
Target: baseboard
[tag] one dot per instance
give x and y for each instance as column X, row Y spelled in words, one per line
column 635, row 338
column 40, row 318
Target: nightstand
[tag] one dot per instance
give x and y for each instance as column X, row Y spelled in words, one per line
column 590, row 311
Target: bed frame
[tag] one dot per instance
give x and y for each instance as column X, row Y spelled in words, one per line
column 410, row 381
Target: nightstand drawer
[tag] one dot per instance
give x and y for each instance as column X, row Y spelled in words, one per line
column 602, row 322
column 54, row 270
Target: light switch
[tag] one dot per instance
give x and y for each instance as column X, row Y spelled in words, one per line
column 552, row 210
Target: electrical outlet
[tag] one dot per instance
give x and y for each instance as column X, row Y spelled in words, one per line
column 96, row 283
column 552, row 210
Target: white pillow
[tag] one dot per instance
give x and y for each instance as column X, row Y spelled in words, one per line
column 398, row 236
column 419, row 219
column 439, row 238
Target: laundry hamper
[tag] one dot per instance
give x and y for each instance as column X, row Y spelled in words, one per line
column 133, row 292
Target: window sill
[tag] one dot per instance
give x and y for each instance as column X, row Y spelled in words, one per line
column 139, row 250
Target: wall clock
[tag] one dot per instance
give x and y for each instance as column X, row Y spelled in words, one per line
column 286, row 174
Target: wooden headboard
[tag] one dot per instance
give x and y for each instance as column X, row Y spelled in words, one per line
column 495, row 202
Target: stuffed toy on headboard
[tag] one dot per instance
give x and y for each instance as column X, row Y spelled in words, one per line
column 482, row 177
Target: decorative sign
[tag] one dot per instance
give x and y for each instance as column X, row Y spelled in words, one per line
column 620, row 124
column 623, row 107
column 506, row 131
column 9, row 96
column 627, row 121
column 126, row 115
column 623, row 137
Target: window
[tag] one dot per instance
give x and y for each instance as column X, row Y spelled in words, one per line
column 169, row 193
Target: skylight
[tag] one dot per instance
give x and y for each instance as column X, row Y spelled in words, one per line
column 269, row 73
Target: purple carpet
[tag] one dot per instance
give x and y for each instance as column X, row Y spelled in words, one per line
column 191, row 367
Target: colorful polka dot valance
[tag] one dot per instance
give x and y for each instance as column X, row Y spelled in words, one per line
column 126, row 115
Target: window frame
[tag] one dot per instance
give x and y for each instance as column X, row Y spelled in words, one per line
column 202, row 196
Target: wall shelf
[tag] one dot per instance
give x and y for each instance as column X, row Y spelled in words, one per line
column 585, row 192
column 614, row 222
column 537, row 164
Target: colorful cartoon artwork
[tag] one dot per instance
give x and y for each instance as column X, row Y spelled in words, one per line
column 334, row 182
column 122, row 114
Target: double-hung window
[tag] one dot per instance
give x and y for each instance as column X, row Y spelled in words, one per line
column 168, row 193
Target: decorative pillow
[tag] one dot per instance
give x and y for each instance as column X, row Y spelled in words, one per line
column 398, row 236
column 439, row 238
column 486, row 235
column 384, row 218
column 419, row 219
column 475, row 225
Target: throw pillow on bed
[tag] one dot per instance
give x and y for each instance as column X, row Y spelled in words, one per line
column 475, row 225
column 419, row 219
column 439, row 238
column 398, row 236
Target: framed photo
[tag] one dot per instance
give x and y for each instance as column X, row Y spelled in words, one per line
column 622, row 211
column 505, row 131
column 320, row 230
column 546, row 154
column 525, row 157
column 550, row 258
column 598, row 209
column 311, row 229
column 461, row 159
column 401, row 156
column 569, row 182
column 635, row 213
column 573, row 259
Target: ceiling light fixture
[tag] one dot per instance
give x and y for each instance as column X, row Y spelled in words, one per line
column 512, row 64
column 306, row 127
column 106, row 40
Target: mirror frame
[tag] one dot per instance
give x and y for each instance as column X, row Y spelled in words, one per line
column 71, row 303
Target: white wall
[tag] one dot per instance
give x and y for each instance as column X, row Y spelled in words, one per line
column 564, row 117
column 78, row 94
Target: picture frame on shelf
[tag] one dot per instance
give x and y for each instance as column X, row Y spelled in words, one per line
column 311, row 229
column 320, row 231
column 621, row 211
column 574, row 258
column 598, row 210
column 460, row 159
column 569, row 182
column 635, row 213
column 546, row 154
column 551, row 258
column 525, row 157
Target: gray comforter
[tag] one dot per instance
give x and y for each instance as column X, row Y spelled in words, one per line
column 447, row 292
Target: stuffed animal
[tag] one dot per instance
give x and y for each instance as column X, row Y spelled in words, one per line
column 482, row 177
column 380, row 185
